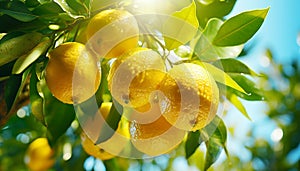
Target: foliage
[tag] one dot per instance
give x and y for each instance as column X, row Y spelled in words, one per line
column 216, row 43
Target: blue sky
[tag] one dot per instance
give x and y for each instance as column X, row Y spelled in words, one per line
column 280, row 29
column 279, row 33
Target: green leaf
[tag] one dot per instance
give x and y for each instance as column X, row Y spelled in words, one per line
column 213, row 9
column 216, row 142
column 212, row 154
column 70, row 11
column 181, row 27
column 112, row 121
column 13, row 48
column 78, row 6
column 58, row 115
column 19, row 11
column 206, row 50
column 221, row 77
column 192, row 143
column 24, row 61
column 48, row 8
column 14, row 88
column 240, row 28
column 252, row 92
column 234, row 66
column 238, row 104
column 36, row 101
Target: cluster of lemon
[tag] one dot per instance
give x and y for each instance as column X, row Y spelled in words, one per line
column 165, row 103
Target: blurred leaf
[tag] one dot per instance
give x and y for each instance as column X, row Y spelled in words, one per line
column 13, row 48
column 206, row 50
column 181, row 27
column 192, row 143
column 238, row 104
column 252, row 92
column 25, row 60
column 14, row 88
column 213, row 9
column 58, row 115
column 240, row 28
column 17, row 10
column 221, row 77
column 234, row 66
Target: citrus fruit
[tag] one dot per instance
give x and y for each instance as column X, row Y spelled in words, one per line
column 191, row 97
column 115, row 144
column 112, row 32
column 94, row 150
column 72, row 74
column 134, row 76
column 39, row 155
column 155, row 138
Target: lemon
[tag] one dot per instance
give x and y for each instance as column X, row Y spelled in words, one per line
column 112, row 32
column 72, row 74
column 94, row 150
column 134, row 76
column 39, row 155
column 114, row 145
column 191, row 97
column 155, row 138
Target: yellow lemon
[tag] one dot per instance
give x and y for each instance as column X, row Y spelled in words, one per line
column 39, row 155
column 112, row 32
column 155, row 138
column 191, row 97
column 72, row 74
column 134, row 76
column 94, row 150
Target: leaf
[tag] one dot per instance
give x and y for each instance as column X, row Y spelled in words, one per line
column 14, row 88
column 65, row 6
column 192, row 143
column 19, row 11
column 212, row 154
column 206, row 50
column 48, row 8
column 234, row 66
column 181, row 27
column 36, row 101
column 112, row 121
column 13, row 48
column 24, row 61
column 216, row 142
column 58, row 115
column 252, row 92
column 221, row 77
column 214, row 9
column 238, row 104
column 78, row 6
column 240, row 28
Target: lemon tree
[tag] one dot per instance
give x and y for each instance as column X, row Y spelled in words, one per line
column 120, row 81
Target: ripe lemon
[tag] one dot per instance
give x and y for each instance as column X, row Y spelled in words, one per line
column 39, row 155
column 72, row 74
column 155, row 138
column 112, row 32
column 191, row 97
column 94, row 150
column 114, row 145
column 134, row 76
